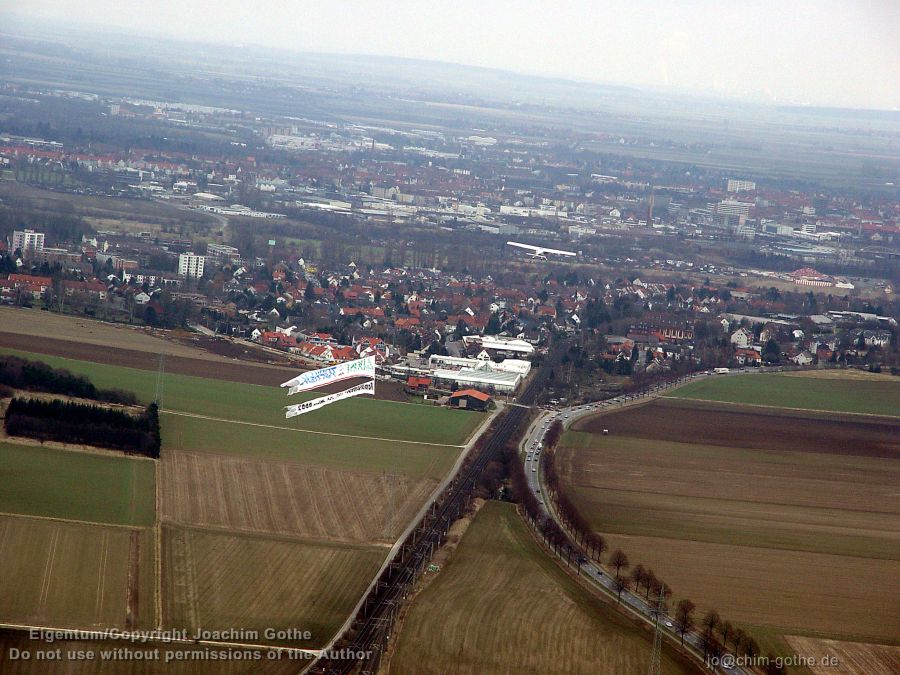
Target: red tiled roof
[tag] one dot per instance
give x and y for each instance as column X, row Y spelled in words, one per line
column 474, row 393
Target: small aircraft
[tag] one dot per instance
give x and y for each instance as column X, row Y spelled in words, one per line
column 539, row 252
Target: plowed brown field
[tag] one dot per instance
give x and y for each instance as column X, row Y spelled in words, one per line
column 290, row 498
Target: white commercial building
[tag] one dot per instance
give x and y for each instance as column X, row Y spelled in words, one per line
column 731, row 207
column 499, row 344
column 190, row 265
column 28, row 241
column 518, row 366
column 484, row 379
column 735, row 185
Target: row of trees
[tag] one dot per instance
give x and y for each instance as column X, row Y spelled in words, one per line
column 85, row 424
column 30, row 375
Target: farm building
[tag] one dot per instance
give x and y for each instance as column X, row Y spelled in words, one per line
column 470, row 399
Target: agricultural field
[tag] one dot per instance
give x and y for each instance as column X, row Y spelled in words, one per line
column 219, row 581
column 852, row 657
column 181, row 432
column 502, row 605
column 258, row 521
column 76, row 485
column 248, row 494
column 68, row 574
column 784, row 520
column 858, row 393
column 35, row 323
column 235, row 401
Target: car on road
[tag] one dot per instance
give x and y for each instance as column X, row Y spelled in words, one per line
column 533, row 469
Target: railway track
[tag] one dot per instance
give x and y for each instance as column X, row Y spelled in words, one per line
column 360, row 650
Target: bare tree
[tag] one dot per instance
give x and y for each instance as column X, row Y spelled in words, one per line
column 621, row 584
column 649, row 580
column 684, row 618
column 738, row 636
column 711, row 621
column 638, row 574
column 618, row 559
column 727, row 631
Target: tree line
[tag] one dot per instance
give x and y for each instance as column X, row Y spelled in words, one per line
column 29, row 375
column 81, row 423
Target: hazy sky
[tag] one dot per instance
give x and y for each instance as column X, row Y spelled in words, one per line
column 824, row 52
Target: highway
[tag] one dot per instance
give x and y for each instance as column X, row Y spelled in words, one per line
column 532, row 447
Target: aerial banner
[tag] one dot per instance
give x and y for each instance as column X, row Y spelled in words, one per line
column 324, row 376
column 322, row 401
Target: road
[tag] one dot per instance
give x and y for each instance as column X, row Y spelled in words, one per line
column 532, row 446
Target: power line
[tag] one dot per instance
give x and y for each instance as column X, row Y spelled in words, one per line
column 158, row 398
column 656, row 653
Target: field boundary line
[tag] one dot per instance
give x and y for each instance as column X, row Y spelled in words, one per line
column 24, row 441
column 157, row 553
column 780, row 407
column 56, row 519
column 308, row 431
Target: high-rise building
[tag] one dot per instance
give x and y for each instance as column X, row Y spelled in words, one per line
column 190, row 265
column 28, row 241
column 736, row 185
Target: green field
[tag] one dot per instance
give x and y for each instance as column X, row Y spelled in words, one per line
column 417, row 461
column 263, row 405
column 81, row 486
column 877, row 396
column 502, row 605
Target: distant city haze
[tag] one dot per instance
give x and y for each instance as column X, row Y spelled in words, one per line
column 829, row 52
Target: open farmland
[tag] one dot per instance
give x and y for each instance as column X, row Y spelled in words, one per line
column 785, row 521
column 75, row 575
column 502, row 605
column 874, row 395
column 263, row 405
column 74, row 485
column 219, row 581
column 136, row 347
column 263, row 522
column 181, row 432
column 852, row 657
column 285, row 497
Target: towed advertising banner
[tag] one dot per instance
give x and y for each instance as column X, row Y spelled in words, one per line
column 322, row 401
column 324, row 376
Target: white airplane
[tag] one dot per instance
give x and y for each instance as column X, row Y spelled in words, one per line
column 539, row 252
